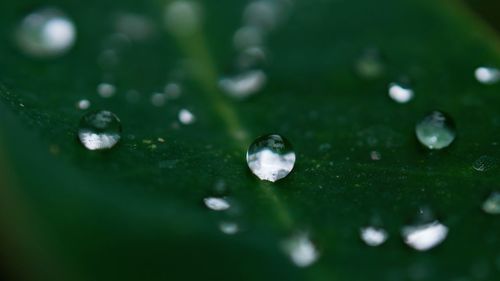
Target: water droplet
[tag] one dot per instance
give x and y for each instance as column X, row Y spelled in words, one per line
column 186, row 117
column 244, row 84
column 271, row 157
column 173, row 90
column 487, row 75
column 492, row 204
column 134, row 26
column 401, row 92
column 158, row 99
column 425, row 236
column 83, row 104
column 370, row 64
column 182, row 17
column 106, row 90
column 251, row 58
column 484, row 163
column 216, row 203
column 373, row 236
column 261, row 14
column 247, row 36
column 99, row 130
column 229, row 228
column 436, row 130
column 46, row 33
column 375, row 155
column 301, row 250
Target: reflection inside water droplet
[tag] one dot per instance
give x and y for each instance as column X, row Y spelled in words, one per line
column 492, row 204
column 423, row 237
column 487, row 75
column 436, row 130
column 46, row 33
column 216, row 203
column 373, row 236
column 99, row 130
column 243, row 84
column 301, row 250
column 271, row 157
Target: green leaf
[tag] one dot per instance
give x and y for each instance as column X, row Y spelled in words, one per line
column 136, row 212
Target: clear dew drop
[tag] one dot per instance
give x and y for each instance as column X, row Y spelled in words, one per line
column 373, row 236
column 436, row 130
column 271, row 157
column 229, row 228
column 106, row 90
column 401, row 92
column 301, row 250
column 484, row 163
column 492, row 204
column 83, row 104
column 216, row 203
column 424, row 236
column 370, row 65
column 487, row 75
column 99, row 130
column 186, row 117
column 46, row 33
column 244, row 84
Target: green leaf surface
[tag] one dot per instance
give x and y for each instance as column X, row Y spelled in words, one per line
column 136, row 212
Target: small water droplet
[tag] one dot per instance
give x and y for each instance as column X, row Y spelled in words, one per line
column 99, row 130
column 373, row 236
column 271, row 157
column 436, row 130
column 487, row 75
column 186, row 117
column 424, row 236
column 229, row 228
column 46, row 33
column 401, row 92
column 216, row 203
column 247, row 36
column 134, row 26
column 370, row 64
column 261, row 14
column 484, row 163
column 301, row 250
column 375, row 155
column 106, row 90
column 83, row 104
column 492, row 204
column 158, row 99
column 182, row 17
column 244, row 84
column 173, row 90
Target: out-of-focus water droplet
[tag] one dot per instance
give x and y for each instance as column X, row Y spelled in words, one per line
column 183, row 17
column 492, row 204
column 83, row 104
column 244, row 84
column 436, row 130
column 487, row 75
column 173, row 90
column 251, row 58
column 99, row 130
column 271, row 157
column 401, row 92
column 301, row 250
column 261, row 14
column 375, row 155
column 370, row 64
column 484, row 163
column 46, row 33
column 186, row 117
column 424, row 236
column 106, row 90
column 158, row 99
column 216, row 203
column 135, row 26
column 229, row 228
column 246, row 37
column 373, row 236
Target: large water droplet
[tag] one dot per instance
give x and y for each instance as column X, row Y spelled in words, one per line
column 244, row 84
column 370, row 64
column 99, row 130
column 301, row 250
column 216, row 203
column 401, row 92
column 424, row 236
column 492, row 204
column 271, row 157
column 436, row 130
column 487, row 75
column 373, row 236
column 46, row 33
column 484, row 163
